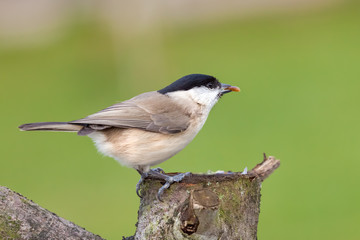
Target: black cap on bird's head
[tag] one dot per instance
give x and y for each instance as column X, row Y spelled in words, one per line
column 190, row 81
column 197, row 80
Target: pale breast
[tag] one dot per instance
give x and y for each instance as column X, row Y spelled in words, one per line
column 135, row 147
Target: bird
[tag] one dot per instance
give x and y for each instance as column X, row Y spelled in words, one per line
column 149, row 128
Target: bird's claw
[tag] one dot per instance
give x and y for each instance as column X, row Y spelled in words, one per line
column 170, row 180
column 158, row 172
column 142, row 178
column 161, row 190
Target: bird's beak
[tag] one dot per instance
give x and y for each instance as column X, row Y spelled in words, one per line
column 226, row 88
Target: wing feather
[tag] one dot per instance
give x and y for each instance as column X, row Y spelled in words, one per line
column 163, row 116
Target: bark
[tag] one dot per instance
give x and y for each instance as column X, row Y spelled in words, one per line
column 207, row 206
column 20, row 218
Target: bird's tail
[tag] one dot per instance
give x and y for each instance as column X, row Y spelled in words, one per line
column 51, row 126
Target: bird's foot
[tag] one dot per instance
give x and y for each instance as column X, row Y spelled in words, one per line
column 159, row 170
column 142, row 178
column 168, row 181
column 159, row 173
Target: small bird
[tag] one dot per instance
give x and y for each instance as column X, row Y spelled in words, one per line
column 151, row 127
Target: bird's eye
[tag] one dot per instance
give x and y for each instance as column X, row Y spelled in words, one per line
column 210, row 85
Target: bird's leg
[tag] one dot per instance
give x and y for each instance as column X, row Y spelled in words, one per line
column 168, row 180
column 142, row 178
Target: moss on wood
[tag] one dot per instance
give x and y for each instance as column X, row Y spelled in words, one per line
column 9, row 228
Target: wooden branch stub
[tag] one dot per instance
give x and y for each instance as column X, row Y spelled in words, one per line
column 204, row 206
column 265, row 168
column 20, row 218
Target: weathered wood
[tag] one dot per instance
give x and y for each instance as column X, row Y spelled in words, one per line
column 206, row 206
column 202, row 206
column 20, row 218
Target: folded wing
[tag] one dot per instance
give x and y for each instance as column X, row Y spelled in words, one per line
column 150, row 111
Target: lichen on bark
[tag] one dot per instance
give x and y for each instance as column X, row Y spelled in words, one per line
column 226, row 207
column 9, row 228
column 20, row 218
column 204, row 206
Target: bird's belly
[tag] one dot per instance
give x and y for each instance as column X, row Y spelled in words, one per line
column 135, row 147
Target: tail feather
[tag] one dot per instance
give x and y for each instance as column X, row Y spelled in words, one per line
column 51, row 126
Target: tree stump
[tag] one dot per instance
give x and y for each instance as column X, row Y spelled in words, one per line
column 206, row 206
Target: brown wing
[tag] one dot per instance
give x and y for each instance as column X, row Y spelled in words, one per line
column 150, row 111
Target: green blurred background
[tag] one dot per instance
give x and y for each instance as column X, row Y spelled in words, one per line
column 298, row 67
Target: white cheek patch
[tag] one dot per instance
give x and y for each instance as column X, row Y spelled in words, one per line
column 198, row 100
column 204, row 96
